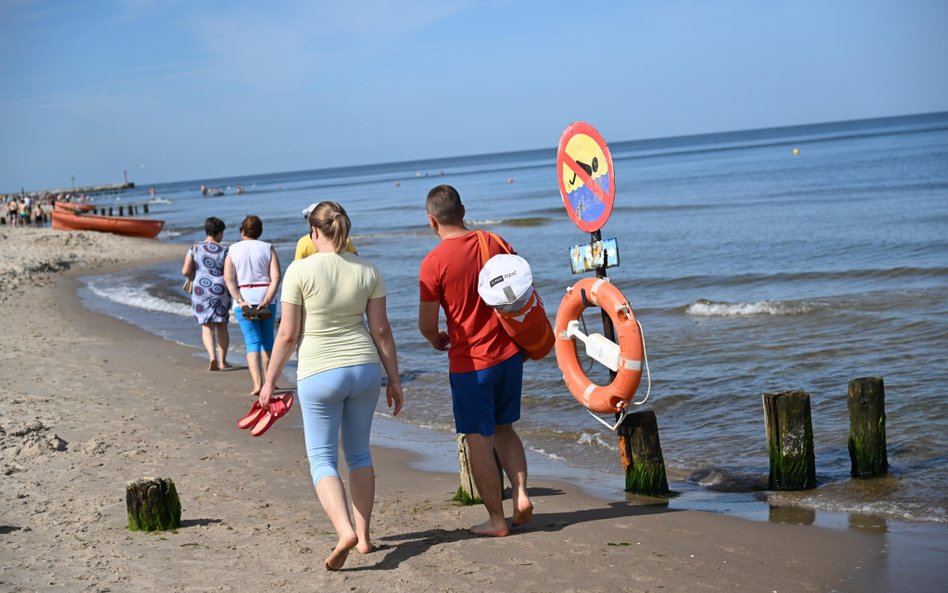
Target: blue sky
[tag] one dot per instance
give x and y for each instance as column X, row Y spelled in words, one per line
column 174, row 90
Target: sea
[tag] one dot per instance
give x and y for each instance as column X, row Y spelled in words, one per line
column 756, row 261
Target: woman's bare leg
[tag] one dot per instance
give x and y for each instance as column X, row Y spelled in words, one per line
column 362, row 487
column 223, row 344
column 332, row 496
column 207, row 336
column 253, row 363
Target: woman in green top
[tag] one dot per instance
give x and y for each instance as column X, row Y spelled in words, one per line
column 327, row 298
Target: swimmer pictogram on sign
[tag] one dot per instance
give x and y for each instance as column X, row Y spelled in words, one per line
column 586, row 178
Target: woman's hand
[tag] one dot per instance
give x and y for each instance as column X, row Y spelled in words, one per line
column 266, row 395
column 395, row 397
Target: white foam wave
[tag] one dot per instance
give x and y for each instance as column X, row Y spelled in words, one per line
column 903, row 510
column 140, row 299
column 547, row 454
column 704, row 308
column 594, row 438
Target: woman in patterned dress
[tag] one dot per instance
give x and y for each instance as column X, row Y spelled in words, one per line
column 210, row 301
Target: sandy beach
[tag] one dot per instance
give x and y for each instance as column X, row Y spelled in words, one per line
column 92, row 403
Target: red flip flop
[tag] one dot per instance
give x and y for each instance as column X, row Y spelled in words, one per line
column 278, row 407
column 256, row 412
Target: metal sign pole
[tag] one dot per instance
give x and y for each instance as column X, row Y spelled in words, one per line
column 608, row 329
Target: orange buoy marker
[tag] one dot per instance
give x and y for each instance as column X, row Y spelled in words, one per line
column 624, row 358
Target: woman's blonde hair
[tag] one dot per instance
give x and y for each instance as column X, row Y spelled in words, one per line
column 331, row 220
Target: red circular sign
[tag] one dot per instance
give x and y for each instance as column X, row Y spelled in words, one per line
column 586, row 176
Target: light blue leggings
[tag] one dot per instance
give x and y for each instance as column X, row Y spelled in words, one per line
column 342, row 398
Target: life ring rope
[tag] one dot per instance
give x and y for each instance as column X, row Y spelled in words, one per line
column 648, row 391
column 625, row 358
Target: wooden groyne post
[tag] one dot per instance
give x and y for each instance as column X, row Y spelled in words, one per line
column 153, row 505
column 867, row 449
column 467, row 493
column 789, row 429
column 641, row 454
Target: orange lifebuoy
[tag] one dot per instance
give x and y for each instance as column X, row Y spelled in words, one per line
column 601, row 399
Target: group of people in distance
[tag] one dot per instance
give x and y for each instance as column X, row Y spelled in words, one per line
column 334, row 317
column 24, row 210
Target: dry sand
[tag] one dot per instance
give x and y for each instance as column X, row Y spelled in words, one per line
column 91, row 403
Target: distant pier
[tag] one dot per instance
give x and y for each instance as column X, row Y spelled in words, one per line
column 112, row 188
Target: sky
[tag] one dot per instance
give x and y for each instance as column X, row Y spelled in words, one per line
column 174, row 90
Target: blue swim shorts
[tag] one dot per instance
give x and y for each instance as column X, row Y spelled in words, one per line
column 487, row 398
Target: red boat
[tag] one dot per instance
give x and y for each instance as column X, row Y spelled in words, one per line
column 73, row 207
column 132, row 227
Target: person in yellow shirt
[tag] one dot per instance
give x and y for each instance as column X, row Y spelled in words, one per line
column 305, row 247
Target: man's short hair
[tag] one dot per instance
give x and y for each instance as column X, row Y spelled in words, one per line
column 444, row 203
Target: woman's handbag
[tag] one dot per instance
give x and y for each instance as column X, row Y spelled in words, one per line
column 189, row 282
column 252, row 313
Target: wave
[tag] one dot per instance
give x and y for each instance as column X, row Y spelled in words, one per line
column 139, row 298
column 925, row 511
column 728, row 480
column 533, row 221
column 706, row 308
column 698, row 281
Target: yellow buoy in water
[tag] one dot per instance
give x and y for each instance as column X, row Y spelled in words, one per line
column 796, row 151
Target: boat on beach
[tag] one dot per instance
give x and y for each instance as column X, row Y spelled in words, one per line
column 73, row 206
column 147, row 228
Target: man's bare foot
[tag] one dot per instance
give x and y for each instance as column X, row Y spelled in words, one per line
column 338, row 556
column 490, row 529
column 522, row 515
column 256, row 391
column 224, row 366
column 213, row 366
column 365, row 547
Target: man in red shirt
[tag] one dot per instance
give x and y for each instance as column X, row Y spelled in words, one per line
column 485, row 365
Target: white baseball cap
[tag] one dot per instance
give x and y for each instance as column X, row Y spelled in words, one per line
column 309, row 209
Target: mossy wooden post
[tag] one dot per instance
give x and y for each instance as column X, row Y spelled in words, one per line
column 866, row 403
column 467, row 493
column 153, row 504
column 789, row 440
column 641, row 454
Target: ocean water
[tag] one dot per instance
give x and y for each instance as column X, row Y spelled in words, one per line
column 750, row 268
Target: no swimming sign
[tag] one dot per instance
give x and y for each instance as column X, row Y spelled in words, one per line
column 586, row 179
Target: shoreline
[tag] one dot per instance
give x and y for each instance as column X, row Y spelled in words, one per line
column 94, row 402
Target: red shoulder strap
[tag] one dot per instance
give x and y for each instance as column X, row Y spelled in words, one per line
column 500, row 242
column 483, row 239
column 482, row 243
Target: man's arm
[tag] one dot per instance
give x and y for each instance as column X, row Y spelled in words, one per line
column 428, row 325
